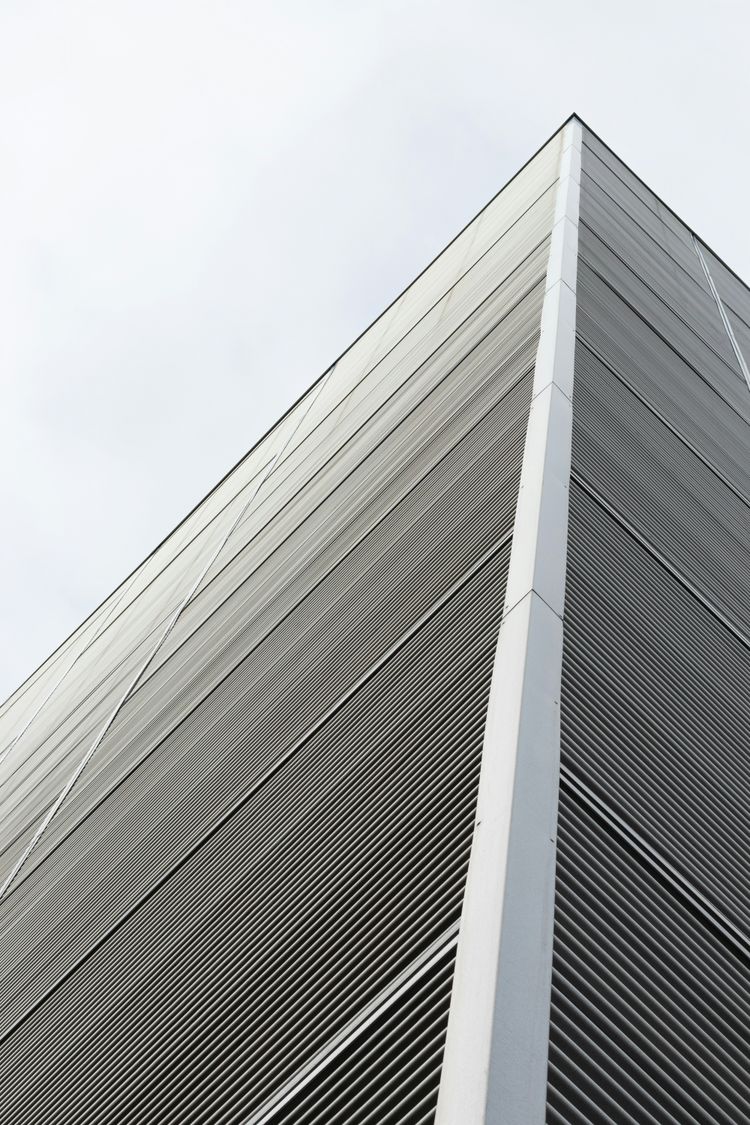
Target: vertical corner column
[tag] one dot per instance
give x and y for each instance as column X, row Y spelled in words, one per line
column 495, row 1061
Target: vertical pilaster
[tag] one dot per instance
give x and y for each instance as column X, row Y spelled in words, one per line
column 495, row 1063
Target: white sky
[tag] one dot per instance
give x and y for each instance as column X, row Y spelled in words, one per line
column 203, row 204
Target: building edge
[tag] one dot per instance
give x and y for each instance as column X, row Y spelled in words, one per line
column 496, row 1052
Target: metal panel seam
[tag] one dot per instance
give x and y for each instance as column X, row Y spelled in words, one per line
column 102, row 625
column 680, row 886
column 356, row 1027
column 656, row 554
column 722, row 313
column 141, row 671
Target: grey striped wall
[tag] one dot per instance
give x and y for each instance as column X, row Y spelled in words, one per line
column 651, row 978
column 245, row 907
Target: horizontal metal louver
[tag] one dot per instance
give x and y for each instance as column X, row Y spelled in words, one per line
column 391, row 1072
column 650, row 1004
column 274, row 595
column 662, row 490
column 246, row 909
column 275, row 828
column 294, row 910
column 651, row 978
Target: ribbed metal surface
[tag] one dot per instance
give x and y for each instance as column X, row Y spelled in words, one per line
column 651, row 988
column 657, row 727
column 662, row 489
column 275, row 826
column 650, row 1004
column 246, row 908
column 322, row 885
column 391, row 1072
column 732, row 290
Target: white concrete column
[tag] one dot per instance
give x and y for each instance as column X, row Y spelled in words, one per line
column 495, row 1063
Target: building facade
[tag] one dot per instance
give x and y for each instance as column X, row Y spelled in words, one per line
column 407, row 779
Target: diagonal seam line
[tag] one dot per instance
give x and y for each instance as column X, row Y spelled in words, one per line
column 356, row 1026
column 527, row 292
column 97, row 633
column 722, row 313
column 12, row 700
column 378, row 362
column 524, row 295
column 623, row 379
column 682, row 886
column 163, row 637
column 238, row 804
column 509, row 390
column 493, row 246
column 663, row 561
column 659, row 296
column 189, row 542
column 667, row 343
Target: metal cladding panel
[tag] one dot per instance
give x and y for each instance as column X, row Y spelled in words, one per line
column 733, row 291
column 392, row 1072
column 662, row 490
column 651, row 983
column 681, row 396
column 290, row 694
column 246, row 907
column 650, row 1003
column 343, row 479
column 688, row 329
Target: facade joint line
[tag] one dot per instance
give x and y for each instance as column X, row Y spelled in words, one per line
column 163, row 636
column 723, row 314
column 356, row 1027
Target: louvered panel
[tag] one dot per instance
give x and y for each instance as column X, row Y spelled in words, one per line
column 677, row 325
column 650, row 1004
column 733, row 291
column 633, row 188
column 229, row 634
column 390, row 1071
column 664, row 491
column 200, row 768
column 181, row 552
column 678, row 247
column 495, row 335
column 499, row 218
column 364, row 876
column 96, row 675
column 334, row 634
column 369, row 411
column 661, row 689
column 275, row 828
column 343, row 396
column 32, row 789
column 287, row 539
column 651, row 976
column 478, row 382
column 38, row 768
column 98, row 635
column 685, row 291
column 124, row 633
column 679, row 394
column 533, row 180
column 17, row 710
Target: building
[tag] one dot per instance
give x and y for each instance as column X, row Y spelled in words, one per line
column 479, row 602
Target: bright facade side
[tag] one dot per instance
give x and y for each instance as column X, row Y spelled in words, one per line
column 478, row 603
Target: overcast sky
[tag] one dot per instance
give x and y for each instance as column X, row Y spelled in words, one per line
column 203, row 203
